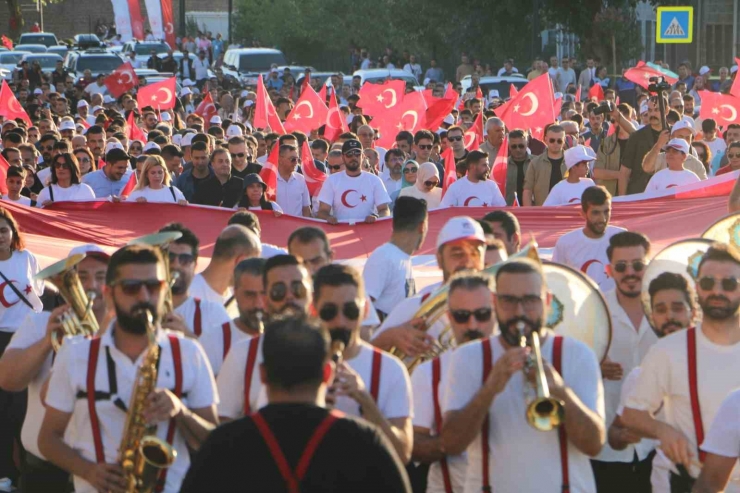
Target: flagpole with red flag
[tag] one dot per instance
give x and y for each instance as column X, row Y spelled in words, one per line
column 450, row 177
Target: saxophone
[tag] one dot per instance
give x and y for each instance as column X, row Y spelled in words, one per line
column 142, row 454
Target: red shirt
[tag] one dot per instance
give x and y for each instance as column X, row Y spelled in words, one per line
column 724, row 170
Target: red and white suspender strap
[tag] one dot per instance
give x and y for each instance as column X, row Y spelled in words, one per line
column 197, row 319
column 249, row 371
column 694, row 391
column 226, row 328
column 485, row 449
column 375, row 379
column 92, row 366
column 436, row 378
column 171, row 426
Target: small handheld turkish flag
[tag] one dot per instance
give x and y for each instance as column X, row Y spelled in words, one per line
column 376, row 99
column 130, row 185
column 10, row 108
column 206, row 109
column 596, row 92
column 264, row 112
column 641, row 73
column 134, row 132
column 4, row 167
column 7, row 42
column 269, row 172
column 314, row 177
column 121, row 80
column 501, row 165
column 450, row 177
column 160, row 96
column 308, row 114
column 474, row 137
column 336, row 124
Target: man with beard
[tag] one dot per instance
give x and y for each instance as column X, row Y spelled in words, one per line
column 638, row 145
column 249, row 295
column 287, row 289
column 486, row 394
column 369, row 383
column 474, row 189
column 93, row 380
column 691, row 372
column 631, row 339
column 470, row 311
column 96, row 142
column 191, row 316
column 460, row 246
column 584, row 249
column 27, row 361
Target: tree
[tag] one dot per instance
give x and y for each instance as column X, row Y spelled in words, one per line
column 15, row 19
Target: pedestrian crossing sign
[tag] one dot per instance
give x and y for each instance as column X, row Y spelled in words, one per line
column 674, row 25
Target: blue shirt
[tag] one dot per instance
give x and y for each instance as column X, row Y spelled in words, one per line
column 435, row 74
column 103, row 186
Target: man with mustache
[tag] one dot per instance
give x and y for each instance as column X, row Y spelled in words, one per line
column 691, row 372
column 93, row 380
column 632, row 337
column 638, row 145
column 287, row 290
column 470, row 311
column 486, row 393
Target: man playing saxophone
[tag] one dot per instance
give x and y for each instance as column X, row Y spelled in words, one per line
column 94, row 379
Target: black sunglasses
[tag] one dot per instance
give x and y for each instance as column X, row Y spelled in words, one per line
column 425, row 147
column 728, row 284
column 353, row 153
column 334, row 168
column 279, row 291
column 431, row 183
column 637, row 266
column 132, row 287
column 462, row 316
column 407, row 171
column 295, row 160
column 237, row 155
column 517, row 146
column 454, row 139
column 329, row 311
column 62, row 164
column 559, row 141
column 183, row 259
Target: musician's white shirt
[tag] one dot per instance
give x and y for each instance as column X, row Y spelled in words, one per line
column 230, row 380
column 69, row 377
column 421, row 383
column 199, row 288
column 211, row 313
column 723, row 438
column 510, row 436
column 212, row 341
column 664, row 378
column 587, row 255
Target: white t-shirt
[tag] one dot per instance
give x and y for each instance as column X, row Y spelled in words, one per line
column 44, row 176
column 716, row 146
column 275, row 207
column 74, row 193
column 646, row 445
column 269, row 251
column 587, row 255
column 353, row 197
column 199, row 288
column 230, row 380
column 723, row 437
column 421, row 384
column 211, row 314
column 70, row 377
column 666, row 178
column 464, row 193
column 389, row 277
column 20, row 270
column 510, row 436
column 564, row 192
column 664, row 379
column 21, row 200
column 163, row 194
column 212, row 341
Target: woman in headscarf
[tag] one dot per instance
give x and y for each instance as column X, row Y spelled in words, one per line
column 425, row 187
column 409, row 172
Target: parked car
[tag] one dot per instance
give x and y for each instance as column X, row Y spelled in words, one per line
column 378, row 75
column 9, row 62
column 46, row 39
column 33, row 48
column 245, row 65
column 143, row 49
column 87, row 41
column 98, row 61
column 500, row 84
column 60, row 50
column 48, row 61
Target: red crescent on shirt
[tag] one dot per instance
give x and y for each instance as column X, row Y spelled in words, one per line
column 3, row 300
column 467, row 201
column 671, row 186
column 584, row 267
column 344, row 199
column 573, row 200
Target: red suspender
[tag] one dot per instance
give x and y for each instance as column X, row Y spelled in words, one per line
column 251, row 359
column 436, row 377
column 557, row 363
column 375, row 382
column 292, row 478
column 694, row 391
column 226, row 327
column 171, row 426
column 92, row 366
column 485, row 450
column 197, row 319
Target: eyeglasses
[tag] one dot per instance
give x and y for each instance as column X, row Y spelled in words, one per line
column 552, row 141
column 132, row 287
column 454, row 139
column 733, row 156
column 408, row 171
column 637, row 266
column 183, row 259
column 334, row 168
column 425, row 147
column 295, row 160
column 509, row 302
column 430, row 184
column 237, row 155
column 462, row 316
column 85, row 160
column 279, row 291
column 61, row 164
column 329, row 311
column 517, row 146
column 353, row 153
column 728, row 284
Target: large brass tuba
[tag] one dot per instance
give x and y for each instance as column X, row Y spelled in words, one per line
column 143, row 455
column 162, row 241
column 79, row 320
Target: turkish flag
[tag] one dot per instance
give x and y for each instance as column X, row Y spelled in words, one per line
column 309, row 112
column 322, row 94
column 314, row 177
column 264, row 112
column 722, row 108
column 438, row 108
column 578, row 93
column 206, row 109
column 269, row 172
column 513, row 91
column 450, row 177
column 473, row 138
column 532, row 108
column 479, row 93
column 4, row 167
column 160, row 96
column 597, row 92
column 130, row 185
column 7, row 42
column 501, row 165
column 137, row 22
column 640, row 74
column 134, row 132
column 168, row 23
column 410, row 116
column 121, row 80
column 376, row 99
column 10, row 108
column 336, row 123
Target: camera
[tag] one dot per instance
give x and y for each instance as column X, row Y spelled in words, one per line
column 605, row 108
column 658, row 85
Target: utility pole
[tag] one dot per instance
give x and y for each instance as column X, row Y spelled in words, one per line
column 183, row 26
column 231, row 8
column 40, row 9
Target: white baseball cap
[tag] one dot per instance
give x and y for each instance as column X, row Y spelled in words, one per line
column 38, row 91
column 113, row 145
column 151, row 145
column 82, row 103
column 67, row 125
column 578, row 154
column 216, row 120
column 460, row 228
column 165, row 117
column 89, row 249
column 678, row 144
column 185, row 92
column 449, row 120
column 187, row 140
column 188, row 83
column 248, row 103
column 704, row 70
column 234, row 131
column 108, row 99
column 177, row 139
column 96, row 109
column 681, row 124
column 733, row 69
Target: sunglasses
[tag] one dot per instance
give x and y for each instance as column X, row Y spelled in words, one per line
column 295, row 160
column 334, row 168
column 454, row 139
column 183, row 259
column 84, row 160
column 354, row 153
column 552, row 141
column 279, row 291
column 408, row 171
column 132, row 287
column 426, row 147
column 329, row 311
column 728, row 284
column 637, row 266
column 59, row 165
column 462, row 316
column 517, row 146
column 237, row 155
column 431, row 184
column 733, row 156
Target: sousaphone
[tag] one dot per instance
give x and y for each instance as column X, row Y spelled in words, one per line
column 725, row 230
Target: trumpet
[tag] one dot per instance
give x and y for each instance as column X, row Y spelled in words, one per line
column 544, row 412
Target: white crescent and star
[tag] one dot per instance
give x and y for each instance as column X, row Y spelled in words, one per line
column 294, row 114
column 169, row 28
column 467, row 142
column 347, row 204
column 14, row 105
column 332, row 112
column 130, row 77
column 732, row 111
column 535, row 104
column 394, row 99
column 416, row 118
column 168, row 94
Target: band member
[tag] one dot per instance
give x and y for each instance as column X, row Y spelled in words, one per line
column 27, row 363
column 343, row 453
column 249, row 295
column 460, row 245
column 673, row 308
column 486, row 396
column 470, row 311
column 287, row 286
column 192, row 315
column 369, row 382
column 690, row 372
column 93, row 381
column 632, row 337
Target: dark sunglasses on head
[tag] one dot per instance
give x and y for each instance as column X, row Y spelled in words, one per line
column 237, row 155
column 408, row 171
column 354, row 153
column 279, row 291
column 329, row 311
column 517, row 146
column 728, row 284
column 425, row 147
column 552, row 141
column 182, row 258
column 454, row 139
column 431, row 183
column 132, row 287
column 334, row 168
column 637, row 266
column 462, row 316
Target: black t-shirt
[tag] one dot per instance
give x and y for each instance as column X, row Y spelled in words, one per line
column 557, row 174
column 353, row 456
column 458, row 159
column 211, row 192
column 519, row 178
column 249, row 168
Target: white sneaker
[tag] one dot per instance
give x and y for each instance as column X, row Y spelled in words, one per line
column 6, row 485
